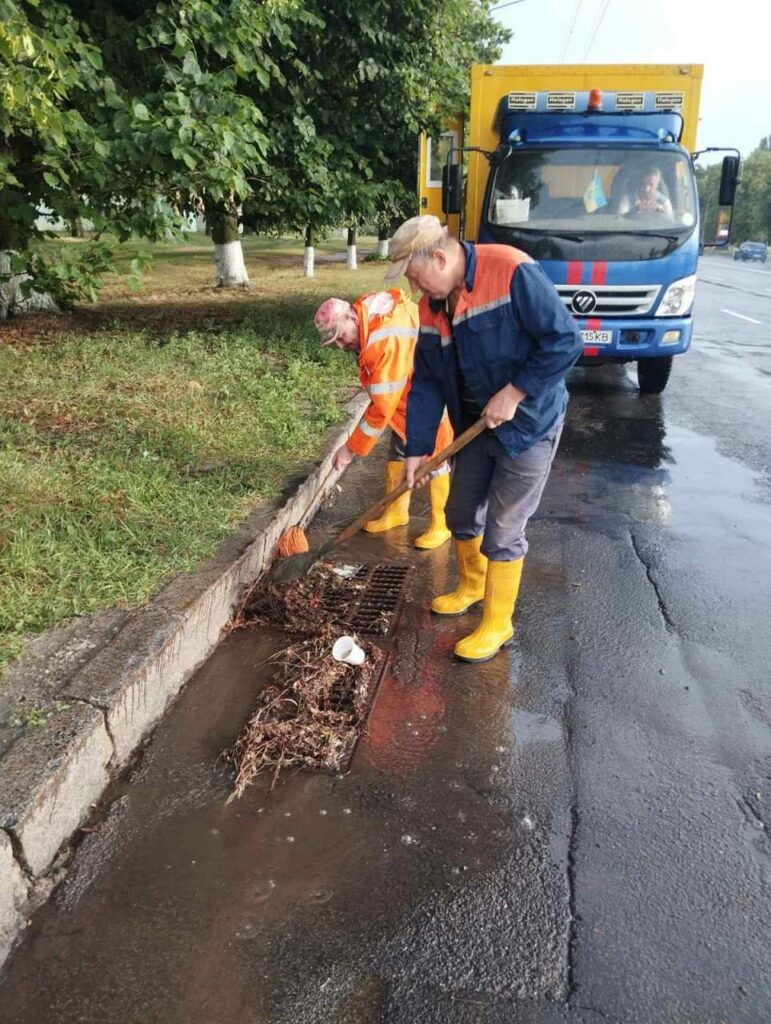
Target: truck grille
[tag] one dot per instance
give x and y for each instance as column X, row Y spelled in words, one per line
column 611, row 299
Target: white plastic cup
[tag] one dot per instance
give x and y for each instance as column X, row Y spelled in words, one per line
column 346, row 649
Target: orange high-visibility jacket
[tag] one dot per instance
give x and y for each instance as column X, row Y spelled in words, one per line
column 388, row 333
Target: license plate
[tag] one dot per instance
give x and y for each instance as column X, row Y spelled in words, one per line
column 597, row 337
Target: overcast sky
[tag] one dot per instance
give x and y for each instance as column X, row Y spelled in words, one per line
column 731, row 40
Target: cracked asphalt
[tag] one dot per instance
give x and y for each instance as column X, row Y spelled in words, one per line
column 574, row 832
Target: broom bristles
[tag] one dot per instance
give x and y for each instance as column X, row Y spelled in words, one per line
column 293, row 542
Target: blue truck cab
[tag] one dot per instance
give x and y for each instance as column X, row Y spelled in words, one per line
column 604, row 197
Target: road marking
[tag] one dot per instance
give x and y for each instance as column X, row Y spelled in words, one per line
column 752, row 270
column 741, row 316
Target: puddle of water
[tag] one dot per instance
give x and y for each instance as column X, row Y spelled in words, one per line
column 707, row 484
column 215, row 912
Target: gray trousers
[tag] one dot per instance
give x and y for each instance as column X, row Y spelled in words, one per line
column 495, row 495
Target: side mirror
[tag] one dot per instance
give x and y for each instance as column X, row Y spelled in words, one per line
column 729, row 180
column 501, row 153
column 452, row 188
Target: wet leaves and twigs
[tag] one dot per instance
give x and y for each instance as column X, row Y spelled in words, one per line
column 322, row 597
column 311, row 713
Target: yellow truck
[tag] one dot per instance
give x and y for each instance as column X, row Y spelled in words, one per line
column 588, row 169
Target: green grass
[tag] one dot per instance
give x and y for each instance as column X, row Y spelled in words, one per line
column 126, row 454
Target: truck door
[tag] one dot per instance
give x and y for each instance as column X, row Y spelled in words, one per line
column 432, row 156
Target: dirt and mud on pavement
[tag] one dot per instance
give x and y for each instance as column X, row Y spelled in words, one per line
column 303, row 892
column 574, row 831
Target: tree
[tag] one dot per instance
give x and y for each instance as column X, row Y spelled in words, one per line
column 132, row 115
column 46, row 67
column 708, row 182
column 362, row 82
column 409, row 72
column 131, row 118
column 752, row 211
column 400, row 68
column 752, row 218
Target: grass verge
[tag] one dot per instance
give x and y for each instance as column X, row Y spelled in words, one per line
column 128, row 451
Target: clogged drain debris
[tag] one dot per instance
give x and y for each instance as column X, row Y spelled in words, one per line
column 363, row 599
column 311, row 714
column 314, row 708
column 323, row 596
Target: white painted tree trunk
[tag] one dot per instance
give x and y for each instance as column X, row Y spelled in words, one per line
column 229, row 261
column 12, row 301
column 382, row 246
column 309, row 261
column 351, row 249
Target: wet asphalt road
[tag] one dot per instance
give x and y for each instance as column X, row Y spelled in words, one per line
column 577, row 831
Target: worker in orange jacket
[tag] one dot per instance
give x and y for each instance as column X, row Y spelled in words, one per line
column 382, row 330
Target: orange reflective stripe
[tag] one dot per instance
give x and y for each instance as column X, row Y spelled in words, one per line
column 389, row 387
column 484, row 307
column 360, row 442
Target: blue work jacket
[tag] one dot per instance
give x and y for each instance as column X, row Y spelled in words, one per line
column 509, row 327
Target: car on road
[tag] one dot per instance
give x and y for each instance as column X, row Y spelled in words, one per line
column 752, row 251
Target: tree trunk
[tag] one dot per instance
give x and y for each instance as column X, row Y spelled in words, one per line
column 309, row 257
column 228, row 253
column 76, row 228
column 351, row 249
column 13, row 301
column 383, row 236
column 12, row 238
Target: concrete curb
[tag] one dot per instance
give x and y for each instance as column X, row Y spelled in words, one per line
column 51, row 777
column 13, row 895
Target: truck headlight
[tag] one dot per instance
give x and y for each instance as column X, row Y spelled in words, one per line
column 678, row 298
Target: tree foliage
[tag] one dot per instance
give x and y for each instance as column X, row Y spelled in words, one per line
column 132, row 114
column 752, row 219
column 752, row 213
column 129, row 114
column 362, row 81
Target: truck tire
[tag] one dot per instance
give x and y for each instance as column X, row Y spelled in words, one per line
column 653, row 374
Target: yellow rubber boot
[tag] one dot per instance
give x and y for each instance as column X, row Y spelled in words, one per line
column 472, row 569
column 495, row 629
column 398, row 512
column 437, row 532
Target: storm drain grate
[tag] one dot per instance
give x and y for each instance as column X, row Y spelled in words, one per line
column 313, row 710
column 375, row 611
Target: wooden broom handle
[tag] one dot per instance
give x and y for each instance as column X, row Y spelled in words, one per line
column 436, row 460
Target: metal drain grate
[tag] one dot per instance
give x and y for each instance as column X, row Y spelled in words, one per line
column 375, row 611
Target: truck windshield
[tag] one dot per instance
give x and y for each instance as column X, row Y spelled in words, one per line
column 574, row 194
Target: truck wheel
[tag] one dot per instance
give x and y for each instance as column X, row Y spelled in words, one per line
column 653, row 374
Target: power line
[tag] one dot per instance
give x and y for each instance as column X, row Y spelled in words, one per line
column 576, row 9
column 596, row 28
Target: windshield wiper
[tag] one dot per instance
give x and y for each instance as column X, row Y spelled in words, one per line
column 555, row 234
column 545, row 233
column 639, row 234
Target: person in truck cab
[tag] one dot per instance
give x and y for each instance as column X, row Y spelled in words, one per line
column 649, row 196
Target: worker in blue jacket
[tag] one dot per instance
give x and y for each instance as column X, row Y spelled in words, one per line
column 495, row 342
